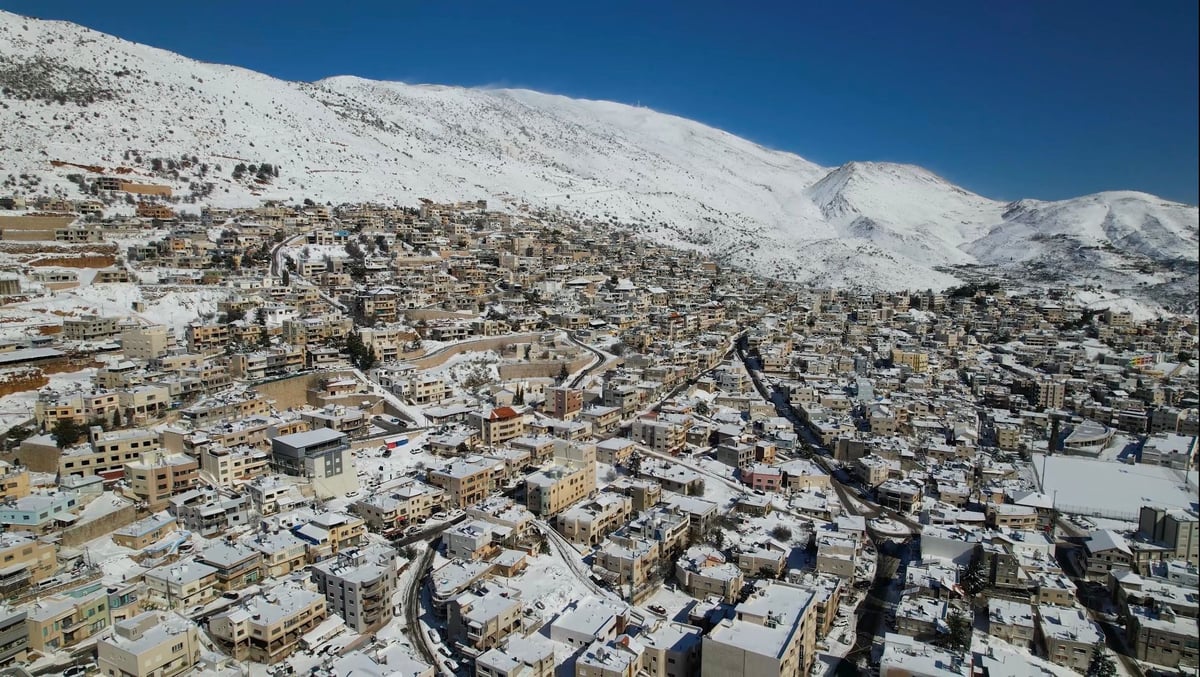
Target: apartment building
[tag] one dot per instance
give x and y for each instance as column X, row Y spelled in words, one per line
column 226, row 466
column 108, row 452
column 467, row 481
column 312, row 453
column 180, row 586
column 772, row 633
column 627, row 561
column 157, row 475
column 484, row 616
column 621, row 657
column 570, row 479
column 518, row 656
column 352, row 421
column 663, row 433
column 332, row 532
column 500, row 425
column 603, row 419
column 237, row 565
column 14, row 637
column 39, row 512
column 208, row 512
column 152, row 644
column 670, row 649
column 144, row 532
column 26, row 562
column 564, row 403
column 268, row 627
column 1011, row 621
column 591, row 521
column 52, row 407
column 1068, row 636
column 90, row 328
column 514, row 518
column 1008, row 515
column 282, row 551
column 408, row 503
column 207, row 339
column 358, row 584
column 64, row 620
column 14, row 481
column 915, row 360
column 151, row 342
column 703, row 572
column 1163, row 637
column 474, row 540
column 227, row 406
column 1176, row 529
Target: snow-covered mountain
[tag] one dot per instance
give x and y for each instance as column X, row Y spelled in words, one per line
column 71, row 94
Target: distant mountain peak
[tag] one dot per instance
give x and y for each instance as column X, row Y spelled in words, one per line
column 88, row 98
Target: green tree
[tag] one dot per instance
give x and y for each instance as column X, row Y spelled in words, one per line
column 959, row 636
column 1101, row 664
column 66, row 432
column 781, row 533
column 975, row 579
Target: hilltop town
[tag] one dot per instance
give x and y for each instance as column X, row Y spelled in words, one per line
column 480, row 439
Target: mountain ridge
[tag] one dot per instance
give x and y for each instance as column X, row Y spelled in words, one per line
column 95, row 97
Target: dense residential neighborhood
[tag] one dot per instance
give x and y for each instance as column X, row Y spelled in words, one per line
column 451, row 439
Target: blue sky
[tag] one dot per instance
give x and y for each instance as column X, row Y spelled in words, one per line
column 1010, row 99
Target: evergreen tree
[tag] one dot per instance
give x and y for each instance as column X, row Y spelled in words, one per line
column 66, row 432
column 959, row 637
column 975, row 579
column 1101, row 664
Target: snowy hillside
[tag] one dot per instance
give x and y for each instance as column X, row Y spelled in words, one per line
column 74, row 95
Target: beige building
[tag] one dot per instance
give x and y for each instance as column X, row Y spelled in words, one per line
column 108, row 452
column 1162, row 637
column 1068, row 635
column 146, row 342
column 399, row 507
column 61, row 621
column 14, row 481
column 207, row 338
column 268, row 628
column 159, row 475
column 467, row 481
column 153, row 644
column 519, row 656
column 670, row 649
column 25, row 562
column 144, row 532
column 90, row 328
column 237, row 564
column 589, row 522
column 180, row 586
column 228, row 466
column 501, row 424
column 483, row 617
column 917, row 361
column 627, row 561
column 772, row 633
column 569, row 480
column 703, row 572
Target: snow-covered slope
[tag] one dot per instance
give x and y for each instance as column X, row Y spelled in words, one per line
column 71, row 94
